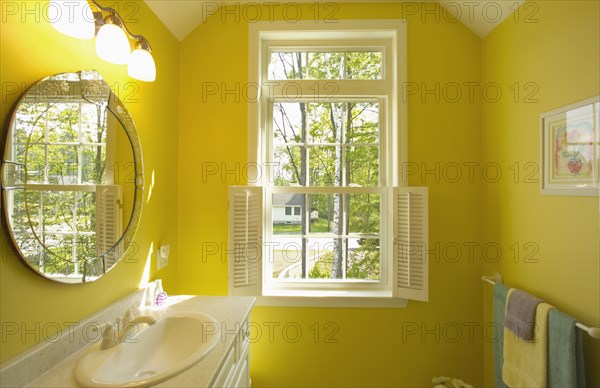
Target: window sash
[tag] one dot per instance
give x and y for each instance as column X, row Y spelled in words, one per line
column 280, row 60
column 384, row 235
column 344, row 43
column 79, row 144
column 385, row 156
column 40, row 230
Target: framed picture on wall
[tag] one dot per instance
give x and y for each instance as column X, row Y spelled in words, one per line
column 571, row 149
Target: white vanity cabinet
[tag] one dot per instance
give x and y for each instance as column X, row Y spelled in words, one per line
column 235, row 371
column 226, row 365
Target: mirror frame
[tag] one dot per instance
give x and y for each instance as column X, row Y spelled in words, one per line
column 92, row 88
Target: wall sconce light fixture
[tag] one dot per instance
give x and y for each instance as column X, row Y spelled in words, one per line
column 76, row 18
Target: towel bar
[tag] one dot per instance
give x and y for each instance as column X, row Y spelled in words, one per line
column 594, row 332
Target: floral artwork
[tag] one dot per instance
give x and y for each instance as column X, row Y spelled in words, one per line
column 571, row 148
column 574, row 151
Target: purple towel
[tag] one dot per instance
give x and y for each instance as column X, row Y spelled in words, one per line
column 520, row 314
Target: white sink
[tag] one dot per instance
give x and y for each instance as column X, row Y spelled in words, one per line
column 174, row 343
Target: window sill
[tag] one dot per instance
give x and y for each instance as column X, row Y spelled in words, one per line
column 330, row 298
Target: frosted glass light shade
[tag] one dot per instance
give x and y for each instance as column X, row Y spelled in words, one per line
column 141, row 66
column 112, row 44
column 72, row 17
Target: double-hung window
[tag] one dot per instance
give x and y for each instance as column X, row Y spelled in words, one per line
column 324, row 214
column 66, row 211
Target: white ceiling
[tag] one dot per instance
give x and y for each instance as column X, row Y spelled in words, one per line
column 182, row 16
column 481, row 16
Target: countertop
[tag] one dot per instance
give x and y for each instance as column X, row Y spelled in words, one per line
column 230, row 312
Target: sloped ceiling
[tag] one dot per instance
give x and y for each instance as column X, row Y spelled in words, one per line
column 182, row 16
column 481, row 16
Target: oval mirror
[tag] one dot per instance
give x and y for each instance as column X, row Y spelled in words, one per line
column 72, row 177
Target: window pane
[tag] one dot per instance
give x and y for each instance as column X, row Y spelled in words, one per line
column 362, row 166
column 287, row 168
column 287, row 122
column 36, row 163
column 288, row 66
column 287, row 213
column 61, row 247
column 364, row 214
column 20, row 153
column 58, row 208
column 362, row 123
column 62, row 164
column 17, row 213
column 324, row 166
column 31, row 213
column 86, row 212
column 93, row 125
column 343, row 122
column 326, row 122
column 30, row 247
column 86, row 248
column 30, row 120
column 66, row 118
column 328, row 258
column 325, row 213
column 93, row 164
column 363, row 260
column 320, row 258
column 286, row 257
column 364, row 65
column 360, row 65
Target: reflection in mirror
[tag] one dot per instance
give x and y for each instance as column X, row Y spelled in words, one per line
column 72, row 177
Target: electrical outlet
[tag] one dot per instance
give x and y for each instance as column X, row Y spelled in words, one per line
column 163, row 256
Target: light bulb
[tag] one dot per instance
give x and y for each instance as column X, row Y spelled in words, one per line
column 112, row 44
column 141, row 65
column 72, row 17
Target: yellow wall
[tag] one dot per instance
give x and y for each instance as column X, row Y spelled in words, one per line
column 186, row 134
column 558, row 51
column 31, row 49
column 370, row 348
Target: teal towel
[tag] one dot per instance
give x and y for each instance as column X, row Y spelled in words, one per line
column 500, row 292
column 565, row 351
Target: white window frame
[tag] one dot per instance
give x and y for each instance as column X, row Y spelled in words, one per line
column 387, row 34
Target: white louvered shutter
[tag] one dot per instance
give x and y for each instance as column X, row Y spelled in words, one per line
column 108, row 223
column 245, row 240
column 411, row 269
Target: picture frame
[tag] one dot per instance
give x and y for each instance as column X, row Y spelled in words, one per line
column 570, row 155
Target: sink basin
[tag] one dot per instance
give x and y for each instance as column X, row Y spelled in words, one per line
column 174, row 343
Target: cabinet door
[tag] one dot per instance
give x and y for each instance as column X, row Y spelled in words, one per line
column 243, row 379
column 235, row 371
column 225, row 375
column 242, row 368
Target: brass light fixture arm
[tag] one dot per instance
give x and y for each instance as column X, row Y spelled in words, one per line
column 141, row 40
